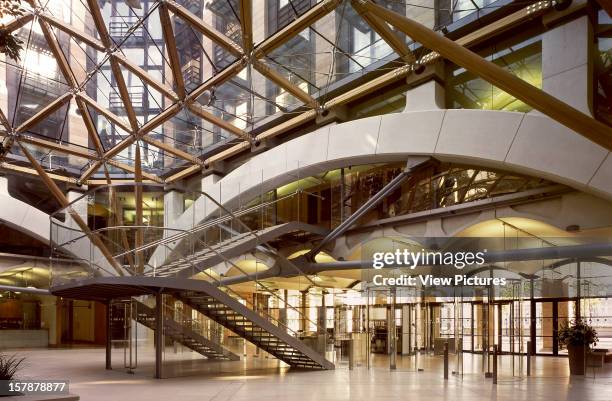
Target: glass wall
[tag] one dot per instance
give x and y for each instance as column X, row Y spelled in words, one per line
column 465, row 90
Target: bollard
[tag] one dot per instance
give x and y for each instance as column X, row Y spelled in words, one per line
column 351, row 355
column 446, row 360
column 528, row 358
column 495, row 364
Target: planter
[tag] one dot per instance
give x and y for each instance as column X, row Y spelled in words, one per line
column 576, row 354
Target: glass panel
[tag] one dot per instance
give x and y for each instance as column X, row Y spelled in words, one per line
column 466, row 90
column 544, row 327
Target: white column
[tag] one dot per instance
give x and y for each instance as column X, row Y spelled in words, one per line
column 428, row 96
column 173, row 207
column 566, row 58
column 209, row 181
column 210, row 185
column 3, row 184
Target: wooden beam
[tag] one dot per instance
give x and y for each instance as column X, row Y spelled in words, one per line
column 75, row 33
column 186, row 172
column 17, row 22
column 392, row 38
column 182, row 174
column 63, row 201
column 112, row 117
column 67, row 73
column 60, row 147
column 170, row 40
column 92, row 132
column 217, row 80
column 146, row 77
column 159, row 119
column 368, row 87
column 208, row 31
column 5, row 122
column 173, row 151
column 124, row 93
column 284, row 83
column 246, row 25
column 132, row 169
column 9, row 134
column 46, row 111
column 536, row 98
column 198, row 110
column 227, row 153
column 112, row 152
column 93, row 167
column 58, row 54
column 31, row 171
column 114, row 181
column 381, row 81
column 298, row 25
column 96, row 14
column 287, row 125
column 67, row 179
column 502, row 25
column 107, row 44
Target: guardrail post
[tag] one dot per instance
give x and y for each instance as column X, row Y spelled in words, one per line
column 159, row 333
column 528, row 358
column 446, row 360
column 495, row 364
column 109, row 364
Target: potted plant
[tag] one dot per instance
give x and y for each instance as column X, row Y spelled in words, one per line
column 10, row 44
column 9, row 366
column 577, row 337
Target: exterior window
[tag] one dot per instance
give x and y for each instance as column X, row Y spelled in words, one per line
column 285, row 99
column 364, row 44
column 465, row 90
column 143, row 47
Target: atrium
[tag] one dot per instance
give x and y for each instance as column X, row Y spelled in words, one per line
column 306, row 199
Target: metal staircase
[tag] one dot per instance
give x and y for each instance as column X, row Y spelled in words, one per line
column 221, row 306
column 235, row 245
column 183, row 334
column 255, row 328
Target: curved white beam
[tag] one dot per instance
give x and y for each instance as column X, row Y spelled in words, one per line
column 526, row 143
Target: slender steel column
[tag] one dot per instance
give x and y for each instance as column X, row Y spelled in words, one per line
column 578, row 291
column 109, row 364
column 392, row 333
column 159, row 334
column 363, row 209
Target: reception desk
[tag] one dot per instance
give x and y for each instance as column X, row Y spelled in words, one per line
column 14, row 338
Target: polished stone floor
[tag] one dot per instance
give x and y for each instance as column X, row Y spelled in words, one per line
column 263, row 379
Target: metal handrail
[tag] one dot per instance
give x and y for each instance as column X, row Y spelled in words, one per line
column 238, row 296
column 210, row 224
column 181, row 234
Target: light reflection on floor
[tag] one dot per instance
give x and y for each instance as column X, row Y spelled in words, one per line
column 264, row 379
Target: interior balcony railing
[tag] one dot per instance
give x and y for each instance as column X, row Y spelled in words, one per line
column 191, row 74
column 121, row 25
column 136, row 93
column 36, row 84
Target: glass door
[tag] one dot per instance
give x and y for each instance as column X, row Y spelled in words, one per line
column 550, row 315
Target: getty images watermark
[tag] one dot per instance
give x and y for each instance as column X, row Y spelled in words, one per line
column 404, row 258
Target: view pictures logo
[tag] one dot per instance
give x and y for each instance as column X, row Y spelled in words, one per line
column 406, row 258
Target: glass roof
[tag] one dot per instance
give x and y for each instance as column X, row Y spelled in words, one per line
column 102, row 80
